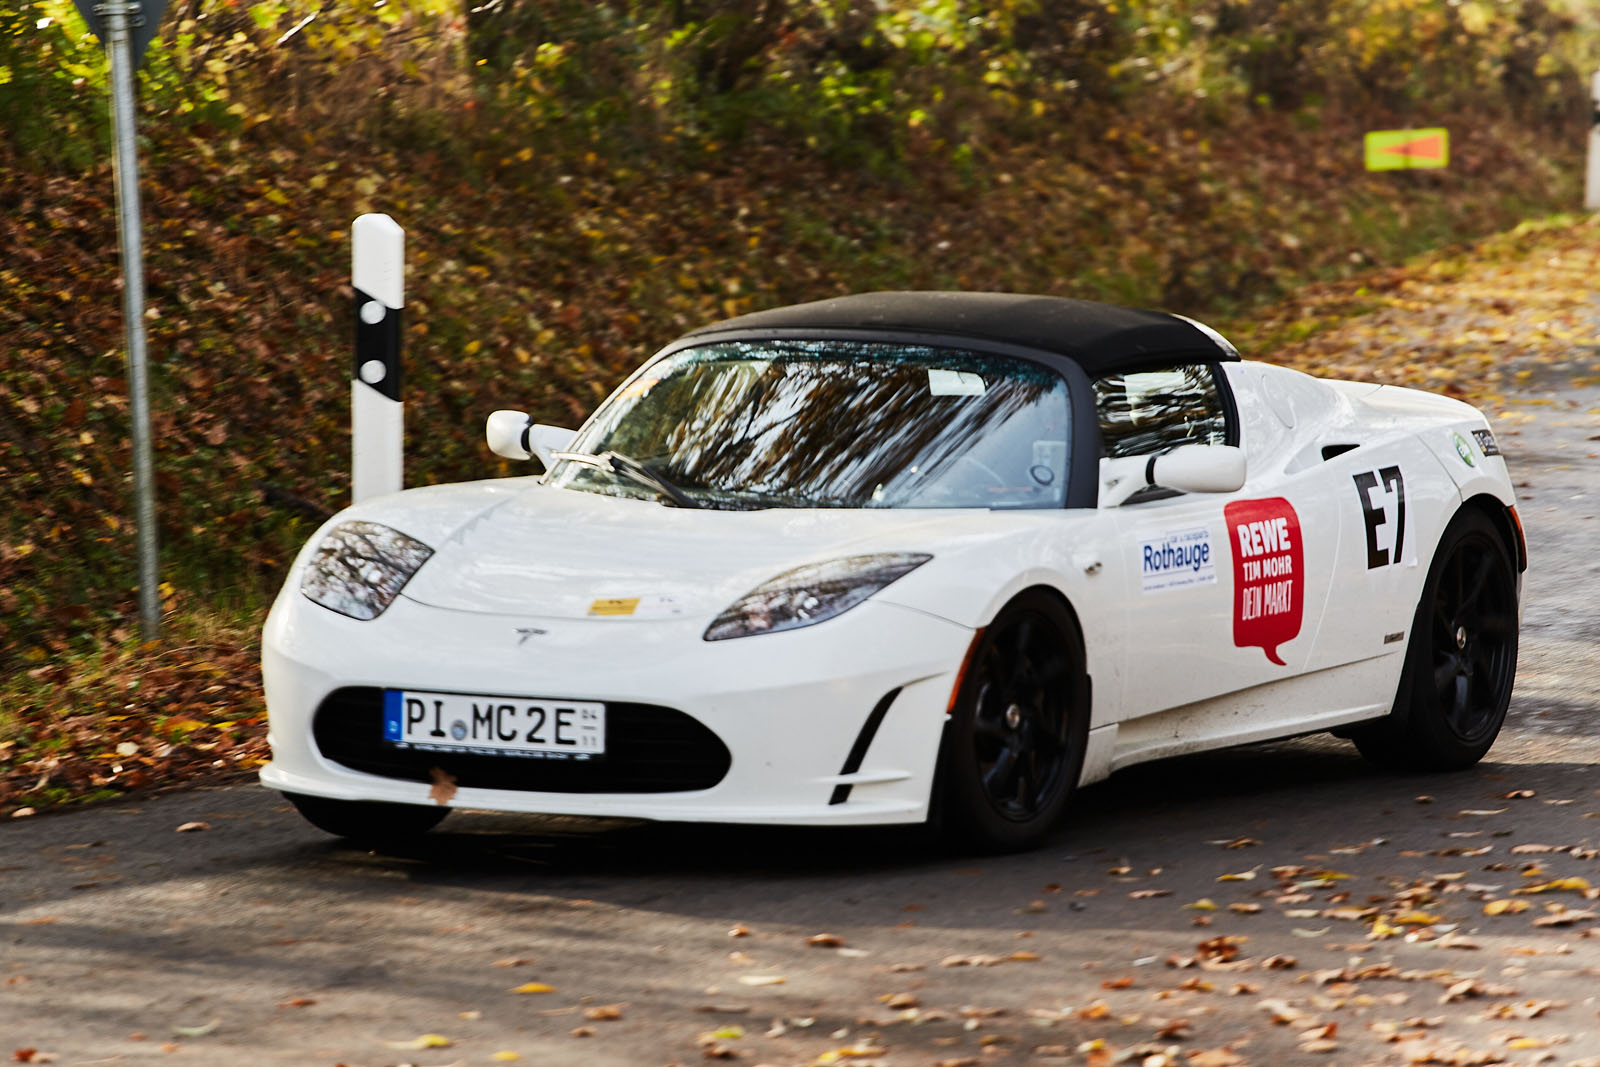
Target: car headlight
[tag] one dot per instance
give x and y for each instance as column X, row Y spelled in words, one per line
column 360, row 567
column 811, row 594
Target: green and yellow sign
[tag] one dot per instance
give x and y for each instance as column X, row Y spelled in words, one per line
column 1408, row 149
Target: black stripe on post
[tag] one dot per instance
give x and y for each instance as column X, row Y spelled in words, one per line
column 377, row 345
column 858, row 751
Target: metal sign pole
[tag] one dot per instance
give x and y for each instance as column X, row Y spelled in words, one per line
column 119, row 47
column 1591, row 198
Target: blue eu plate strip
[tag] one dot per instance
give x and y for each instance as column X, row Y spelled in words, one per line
column 392, row 710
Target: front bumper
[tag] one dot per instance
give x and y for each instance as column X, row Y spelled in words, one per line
column 788, row 706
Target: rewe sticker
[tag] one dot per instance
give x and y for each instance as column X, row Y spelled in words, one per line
column 1268, row 574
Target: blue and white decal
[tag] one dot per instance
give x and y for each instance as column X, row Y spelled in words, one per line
column 1177, row 559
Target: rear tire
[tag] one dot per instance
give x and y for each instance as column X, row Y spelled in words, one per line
column 1013, row 748
column 368, row 822
column 1461, row 660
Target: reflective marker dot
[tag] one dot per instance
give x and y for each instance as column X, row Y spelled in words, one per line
column 373, row 371
column 372, row 312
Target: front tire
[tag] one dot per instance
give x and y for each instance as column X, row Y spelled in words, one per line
column 1014, row 745
column 1461, row 660
column 368, row 822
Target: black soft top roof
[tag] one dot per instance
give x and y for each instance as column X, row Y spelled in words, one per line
column 1100, row 337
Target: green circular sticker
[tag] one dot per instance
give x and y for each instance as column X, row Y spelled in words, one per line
column 1464, row 450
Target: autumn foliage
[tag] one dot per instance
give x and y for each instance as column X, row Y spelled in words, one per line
column 581, row 180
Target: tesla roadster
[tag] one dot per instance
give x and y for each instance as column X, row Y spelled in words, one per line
column 915, row 558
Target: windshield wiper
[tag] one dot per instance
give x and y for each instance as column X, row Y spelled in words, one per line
column 633, row 470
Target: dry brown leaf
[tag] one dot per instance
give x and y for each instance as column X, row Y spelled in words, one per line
column 1097, row 1009
column 1563, row 917
column 1559, row 885
column 825, row 941
column 1215, row 1057
column 443, row 790
column 1505, row 907
column 191, row 827
column 603, row 1012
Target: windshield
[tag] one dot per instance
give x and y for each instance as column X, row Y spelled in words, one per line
column 835, row 424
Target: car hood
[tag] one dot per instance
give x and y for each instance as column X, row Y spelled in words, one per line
column 569, row 554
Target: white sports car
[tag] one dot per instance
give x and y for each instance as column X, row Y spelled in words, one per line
column 903, row 558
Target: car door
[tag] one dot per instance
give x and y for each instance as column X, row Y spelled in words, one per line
column 1225, row 591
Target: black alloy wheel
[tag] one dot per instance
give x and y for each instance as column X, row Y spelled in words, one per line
column 1462, row 658
column 1014, row 746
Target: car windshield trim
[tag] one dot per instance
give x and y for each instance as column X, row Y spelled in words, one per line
column 631, row 468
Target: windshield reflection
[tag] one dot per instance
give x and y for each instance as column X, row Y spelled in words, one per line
column 836, row 424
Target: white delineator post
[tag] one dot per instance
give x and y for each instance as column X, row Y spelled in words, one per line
column 1591, row 195
column 377, row 422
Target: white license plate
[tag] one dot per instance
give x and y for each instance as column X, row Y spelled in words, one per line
column 493, row 725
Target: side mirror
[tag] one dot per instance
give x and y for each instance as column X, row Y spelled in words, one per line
column 1187, row 468
column 514, row 435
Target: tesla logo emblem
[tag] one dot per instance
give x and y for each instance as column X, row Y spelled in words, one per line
column 527, row 632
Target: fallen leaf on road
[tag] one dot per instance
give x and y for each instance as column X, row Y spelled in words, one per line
column 604, row 1012
column 762, row 979
column 512, row 961
column 534, row 987
column 420, row 1042
column 505, row 1056
column 190, row 827
column 739, row 931
column 297, row 1002
column 1559, row 885
column 1215, row 1057
column 1505, row 907
column 1148, row 894
column 860, row 1051
column 197, row 1031
column 1563, row 917
column 1528, row 1009
column 1242, row 876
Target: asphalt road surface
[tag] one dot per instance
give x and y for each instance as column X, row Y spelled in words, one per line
column 258, row 940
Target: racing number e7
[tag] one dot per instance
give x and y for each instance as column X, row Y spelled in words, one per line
column 1375, row 516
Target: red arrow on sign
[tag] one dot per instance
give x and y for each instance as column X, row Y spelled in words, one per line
column 1431, row 147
